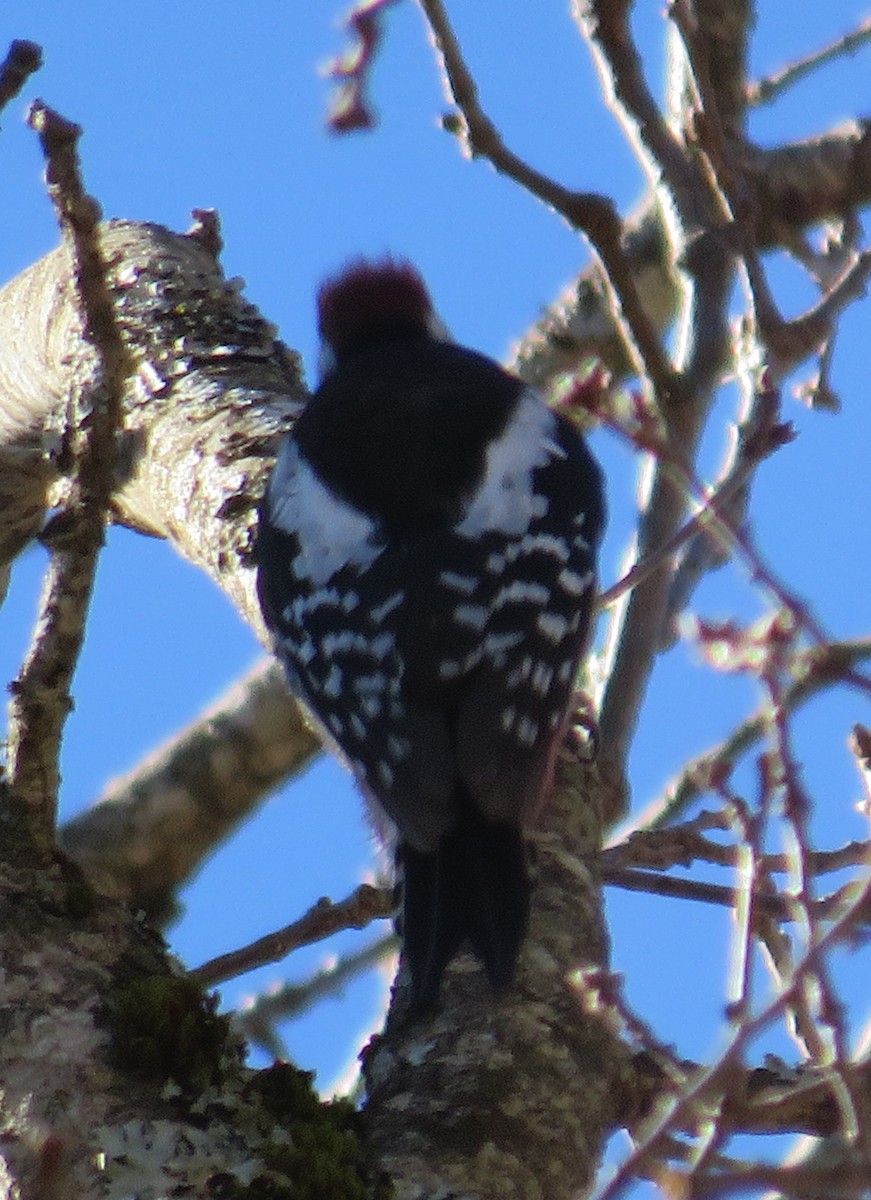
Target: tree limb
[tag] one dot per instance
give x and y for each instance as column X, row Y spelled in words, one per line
column 40, row 694
column 793, row 187
column 211, row 391
column 152, row 829
column 19, row 64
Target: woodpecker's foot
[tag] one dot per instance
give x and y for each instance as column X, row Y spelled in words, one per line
column 582, row 734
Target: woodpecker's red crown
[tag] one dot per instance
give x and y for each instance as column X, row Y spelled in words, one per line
column 368, row 296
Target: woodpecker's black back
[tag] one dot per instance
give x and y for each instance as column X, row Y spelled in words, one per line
column 426, row 560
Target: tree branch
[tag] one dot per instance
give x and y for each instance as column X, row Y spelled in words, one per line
column 824, row 667
column 513, row 1094
column 211, row 391
column 706, row 1083
column 791, row 188
column 256, row 1021
column 322, row 920
column 587, row 212
column 153, row 828
column 772, row 87
column 40, row 694
column 19, row 64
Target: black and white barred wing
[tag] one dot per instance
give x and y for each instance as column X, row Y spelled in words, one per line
column 318, row 557
column 441, row 664
column 510, row 594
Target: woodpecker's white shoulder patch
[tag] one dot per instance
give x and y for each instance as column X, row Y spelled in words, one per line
column 505, row 501
column 331, row 534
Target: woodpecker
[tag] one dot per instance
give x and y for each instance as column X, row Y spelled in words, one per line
column 426, row 564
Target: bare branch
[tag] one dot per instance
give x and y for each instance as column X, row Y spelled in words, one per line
column 152, row 829
column 687, row 889
column 256, row 1020
column 681, row 845
column 791, row 188
column 695, row 221
column 770, row 89
column 587, row 212
column 759, row 433
column 19, row 64
column 823, row 667
column 758, row 436
column 778, row 906
column 715, row 1078
column 40, row 694
column 364, row 905
column 791, row 342
column 351, row 109
column 604, row 23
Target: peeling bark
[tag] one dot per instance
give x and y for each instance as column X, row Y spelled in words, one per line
column 212, row 390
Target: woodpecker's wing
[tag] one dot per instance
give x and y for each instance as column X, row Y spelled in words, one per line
column 317, row 556
column 440, row 660
column 506, row 597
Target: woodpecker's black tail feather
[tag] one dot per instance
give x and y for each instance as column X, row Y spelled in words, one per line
column 473, row 886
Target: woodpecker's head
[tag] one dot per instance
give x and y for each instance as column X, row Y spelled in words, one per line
column 369, row 303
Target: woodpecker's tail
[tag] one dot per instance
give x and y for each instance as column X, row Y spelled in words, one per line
column 473, row 886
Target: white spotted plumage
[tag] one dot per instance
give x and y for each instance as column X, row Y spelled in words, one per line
column 474, row 616
column 573, row 583
column 466, row 585
column 506, row 501
column 522, row 591
column 331, row 533
column 426, row 559
column 523, row 597
column 553, row 626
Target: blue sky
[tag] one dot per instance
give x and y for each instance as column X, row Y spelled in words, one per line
column 189, row 105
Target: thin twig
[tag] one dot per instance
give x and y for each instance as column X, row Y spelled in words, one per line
column 777, row 905
column 707, row 1083
column 588, row 212
column 695, row 528
column 19, row 64
column 819, row 1014
column 674, row 466
column 257, row 1019
column 633, row 880
column 815, row 669
column 682, row 845
column 364, row 905
column 40, row 695
column 758, row 436
column 351, row 108
column 766, row 91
